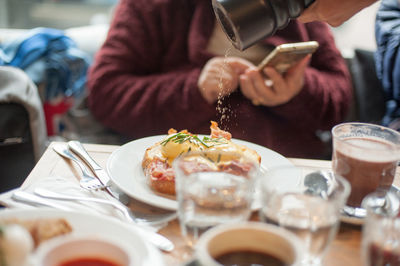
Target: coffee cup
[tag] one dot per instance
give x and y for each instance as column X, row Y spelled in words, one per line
column 367, row 156
column 249, row 242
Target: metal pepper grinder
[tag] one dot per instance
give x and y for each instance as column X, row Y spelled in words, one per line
column 245, row 22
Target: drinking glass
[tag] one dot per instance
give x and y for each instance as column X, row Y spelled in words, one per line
column 381, row 229
column 307, row 203
column 367, row 156
column 212, row 188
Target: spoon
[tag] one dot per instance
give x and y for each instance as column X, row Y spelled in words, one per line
column 321, row 183
column 318, row 183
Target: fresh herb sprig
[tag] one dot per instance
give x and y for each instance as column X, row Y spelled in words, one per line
column 181, row 137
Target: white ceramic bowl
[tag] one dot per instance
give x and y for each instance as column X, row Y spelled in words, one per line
column 254, row 236
column 67, row 248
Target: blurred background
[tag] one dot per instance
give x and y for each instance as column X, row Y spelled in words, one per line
column 85, row 23
column 358, row 32
column 60, row 14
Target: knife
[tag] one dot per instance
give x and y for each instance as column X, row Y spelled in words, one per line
column 26, row 197
column 100, row 173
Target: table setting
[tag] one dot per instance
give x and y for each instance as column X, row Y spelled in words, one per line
column 103, row 188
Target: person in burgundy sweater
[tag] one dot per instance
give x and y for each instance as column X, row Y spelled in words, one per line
column 163, row 63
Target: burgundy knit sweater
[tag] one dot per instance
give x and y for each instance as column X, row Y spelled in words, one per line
column 144, row 80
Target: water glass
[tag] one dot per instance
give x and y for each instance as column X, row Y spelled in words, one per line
column 381, row 229
column 307, row 203
column 212, row 188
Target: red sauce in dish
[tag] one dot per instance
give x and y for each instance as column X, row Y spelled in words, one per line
column 89, row 262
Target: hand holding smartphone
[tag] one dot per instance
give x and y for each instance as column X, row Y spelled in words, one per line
column 286, row 55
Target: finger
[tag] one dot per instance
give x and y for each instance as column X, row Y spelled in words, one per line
column 256, row 77
column 302, row 64
column 297, row 70
column 247, row 89
column 261, row 89
column 269, row 83
column 220, row 67
column 239, row 65
column 277, row 79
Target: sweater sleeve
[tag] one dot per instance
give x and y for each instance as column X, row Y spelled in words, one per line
column 136, row 81
column 327, row 92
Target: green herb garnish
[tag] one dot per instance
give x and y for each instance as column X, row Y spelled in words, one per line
column 182, row 137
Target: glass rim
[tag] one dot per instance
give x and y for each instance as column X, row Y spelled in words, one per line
column 343, row 182
column 225, row 230
column 396, row 146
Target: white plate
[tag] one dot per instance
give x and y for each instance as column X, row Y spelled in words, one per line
column 85, row 224
column 125, row 169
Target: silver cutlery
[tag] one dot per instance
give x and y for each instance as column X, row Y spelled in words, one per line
column 87, row 181
column 359, row 213
column 59, row 196
column 321, row 183
column 29, row 198
column 149, row 219
column 100, row 173
column 153, row 219
column 156, row 239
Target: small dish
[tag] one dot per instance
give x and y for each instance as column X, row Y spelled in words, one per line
column 356, row 220
column 78, row 250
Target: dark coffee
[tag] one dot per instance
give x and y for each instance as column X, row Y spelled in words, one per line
column 364, row 170
column 249, row 258
column 379, row 256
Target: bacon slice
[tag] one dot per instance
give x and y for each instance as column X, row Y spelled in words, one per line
column 216, row 132
column 194, row 167
column 236, row 168
column 161, row 176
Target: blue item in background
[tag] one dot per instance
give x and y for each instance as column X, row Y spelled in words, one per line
column 51, row 58
column 387, row 58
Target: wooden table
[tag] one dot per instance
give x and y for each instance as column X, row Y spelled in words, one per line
column 345, row 249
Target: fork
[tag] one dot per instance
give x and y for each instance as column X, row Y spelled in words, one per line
column 87, row 181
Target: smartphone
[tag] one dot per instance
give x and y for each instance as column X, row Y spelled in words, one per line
column 286, row 55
